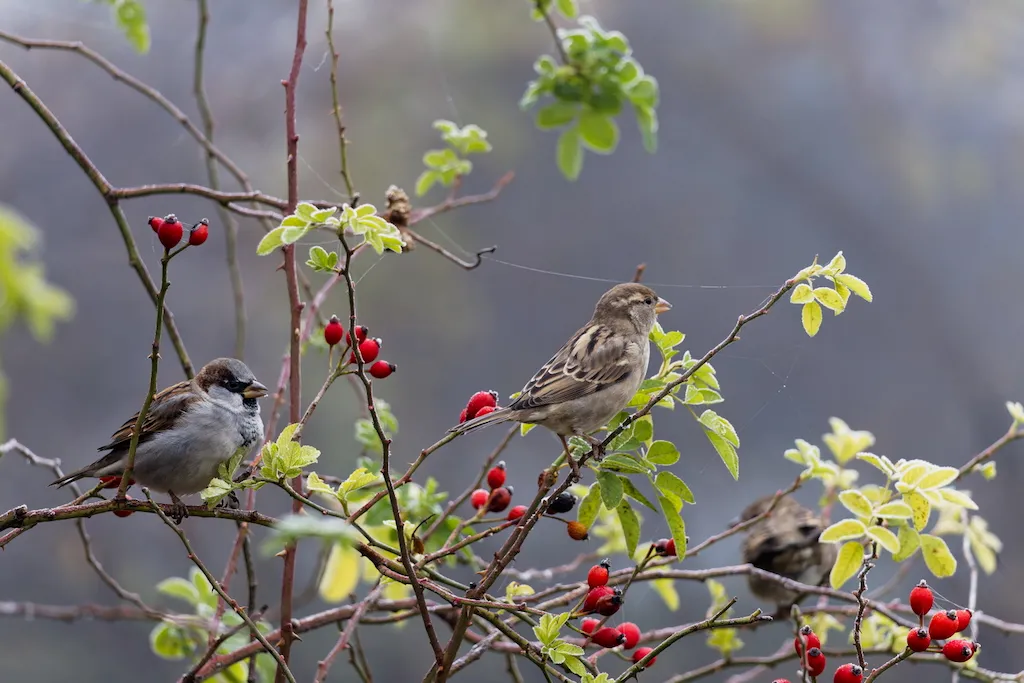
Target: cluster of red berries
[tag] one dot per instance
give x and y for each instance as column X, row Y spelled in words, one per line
column 369, row 347
column 604, row 600
column 499, row 495
column 481, row 403
column 169, row 230
column 942, row 625
column 814, row 659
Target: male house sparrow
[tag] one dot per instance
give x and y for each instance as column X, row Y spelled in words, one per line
column 594, row 375
column 785, row 543
column 190, row 429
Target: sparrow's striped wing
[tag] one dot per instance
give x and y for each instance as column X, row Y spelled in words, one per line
column 166, row 407
column 593, row 359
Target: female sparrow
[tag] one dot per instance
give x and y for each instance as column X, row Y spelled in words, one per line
column 189, row 430
column 594, row 375
column 785, row 543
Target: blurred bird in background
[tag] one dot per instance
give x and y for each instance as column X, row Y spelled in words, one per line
column 785, row 542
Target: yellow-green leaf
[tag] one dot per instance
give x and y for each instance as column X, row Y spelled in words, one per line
column 856, row 502
column 802, row 294
column 913, row 474
column 843, row 530
column 611, row 488
column 909, row 540
column 667, row 590
column 829, row 298
column 630, row 526
column 856, row 285
column 958, row 498
column 836, row 265
column 850, row 557
column 940, row 476
column 810, row 316
column 921, row 507
column 675, row 524
column 937, row 557
column 590, row 506
column 341, row 575
column 884, row 538
column 897, row 509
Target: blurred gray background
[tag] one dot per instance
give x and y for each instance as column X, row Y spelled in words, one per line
column 789, row 128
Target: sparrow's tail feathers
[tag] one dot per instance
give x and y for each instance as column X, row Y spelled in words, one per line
column 499, row 415
column 93, row 469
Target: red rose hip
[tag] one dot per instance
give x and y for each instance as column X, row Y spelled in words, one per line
column 479, row 400
column 958, row 650
column 642, row 652
column 382, row 369
column 333, row 331
column 361, row 332
column 608, row 637
column 963, row 620
column 808, row 636
column 589, row 624
column 921, row 598
column 598, row 574
column 848, row 673
column 479, row 498
column 500, row 498
column 595, row 594
column 170, row 232
column 632, row 633
column 816, row 661
column 918, row 639
column 496, row 475
column 516, row 512
column 942, row 625
column 155, row 222
column 199, row 232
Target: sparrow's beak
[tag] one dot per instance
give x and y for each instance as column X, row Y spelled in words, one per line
column 662, row 306
column 255, row 390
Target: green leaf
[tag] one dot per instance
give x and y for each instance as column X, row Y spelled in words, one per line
column 673, row 487
column 425, row 181
column 810, row 316
column 550, row 625
column 130, row 16
column 843, row 530
column 317, row 485
column 896, row 509
column 675, row 524
column 569, row 10
column 644, row 93
column 921, row 507
column 633, row 492
column 169, row 642
column 727, row 452
column 293, row 527
column 598, row 131
column 848, row 562
column 720, row 426
column 572, row 662
column 569, row 153
column 622, row 462
column 909, row 540
column 647, row 122
column 630, row 526
column 357, row 480
column 937, row 557
column 177, row 587
column 341, row 573
column 215, row 491
column 611, row 489
column 856, row 285
column 667, row 590
column 590, row 506
column 884, row 538
column 856, row 502
column 663, row 453
column 271, row 241
column 557, row 114
column 939, row 477
column 802, row 294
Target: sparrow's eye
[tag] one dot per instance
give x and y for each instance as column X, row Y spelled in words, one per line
column 236, row 386
column 648, row 301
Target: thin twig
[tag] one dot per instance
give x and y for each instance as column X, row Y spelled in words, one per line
column 324, row 665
